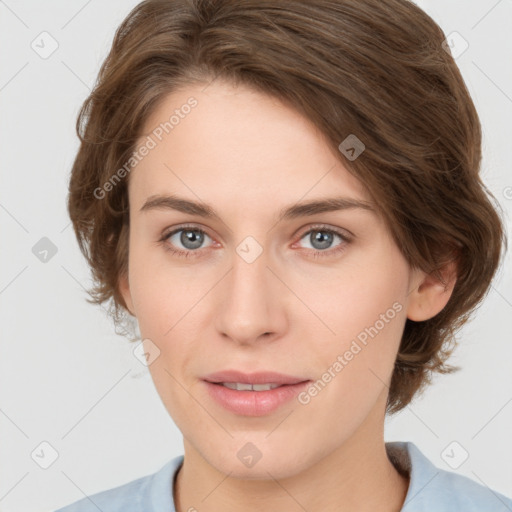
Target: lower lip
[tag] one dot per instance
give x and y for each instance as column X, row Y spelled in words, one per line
column 254, row 403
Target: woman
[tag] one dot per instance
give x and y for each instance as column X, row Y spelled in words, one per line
column 285, row 196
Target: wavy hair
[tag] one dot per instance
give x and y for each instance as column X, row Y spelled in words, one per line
column 374, row 68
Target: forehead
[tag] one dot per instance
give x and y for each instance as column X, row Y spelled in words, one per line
column 231, row 144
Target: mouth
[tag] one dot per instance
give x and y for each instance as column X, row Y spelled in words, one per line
column 240, row 386
column 253, row 394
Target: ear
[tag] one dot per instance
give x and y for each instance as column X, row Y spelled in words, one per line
column 124, row 288
column 429, row 295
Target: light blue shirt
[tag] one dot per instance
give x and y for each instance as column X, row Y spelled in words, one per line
column 430, row 489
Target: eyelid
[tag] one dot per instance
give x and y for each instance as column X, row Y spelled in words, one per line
column 345, row 234
column 192, row 227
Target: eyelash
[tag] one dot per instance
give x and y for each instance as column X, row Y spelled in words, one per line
column 316, row 253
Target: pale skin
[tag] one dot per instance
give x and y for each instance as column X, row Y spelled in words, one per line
column 248, row 156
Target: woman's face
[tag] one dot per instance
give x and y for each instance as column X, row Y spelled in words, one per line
column 318, row 295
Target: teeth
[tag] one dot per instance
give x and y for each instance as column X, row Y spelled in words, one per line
column 249, row 387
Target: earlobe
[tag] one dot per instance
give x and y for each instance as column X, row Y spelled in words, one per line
column 124, row 288
column 430, row 295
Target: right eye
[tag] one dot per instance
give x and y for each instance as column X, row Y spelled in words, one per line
column 189, row 237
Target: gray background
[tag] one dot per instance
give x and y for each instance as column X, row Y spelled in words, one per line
column 68, row 380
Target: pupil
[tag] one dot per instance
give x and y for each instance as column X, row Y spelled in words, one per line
column 323, row 238
column 191, row 239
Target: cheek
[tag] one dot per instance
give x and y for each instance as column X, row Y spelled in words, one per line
column 151, row 303
column 159, row 293
column 354, row 368
column 364, row 306
column 373, row 314
column 169, row 304
column 365, row 295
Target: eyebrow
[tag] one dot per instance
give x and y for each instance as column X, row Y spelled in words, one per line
column 303, row 209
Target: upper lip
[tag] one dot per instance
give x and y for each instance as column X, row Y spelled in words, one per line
column 263, row 377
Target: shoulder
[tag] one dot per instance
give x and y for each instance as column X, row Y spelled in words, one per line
column 468, row 495
column 432, row 488
column 145, row 494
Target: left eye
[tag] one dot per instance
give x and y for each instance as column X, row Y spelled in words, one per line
column 321, row 239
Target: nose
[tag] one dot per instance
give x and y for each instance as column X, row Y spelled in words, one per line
column 252, row 302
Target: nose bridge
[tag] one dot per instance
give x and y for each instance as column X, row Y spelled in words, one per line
column 249, row 274
column 250, row 305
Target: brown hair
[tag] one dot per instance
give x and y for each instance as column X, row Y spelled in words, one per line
column 373, row 68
